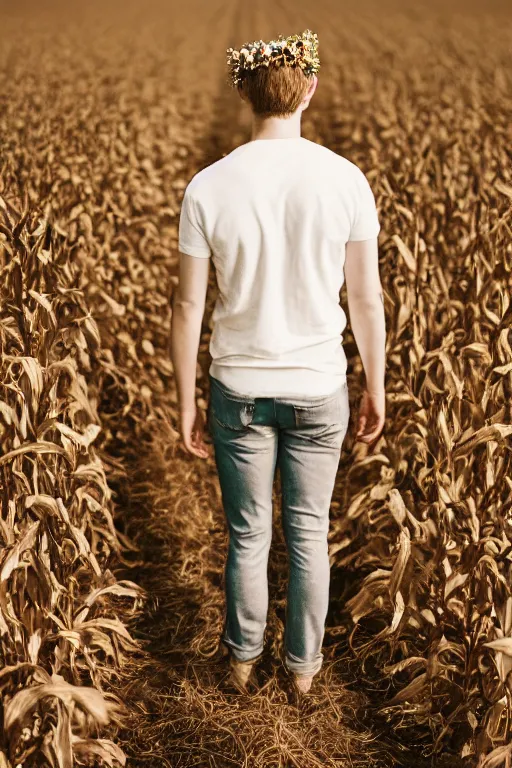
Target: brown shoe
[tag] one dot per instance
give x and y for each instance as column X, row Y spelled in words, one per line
column 302, row 683
column 242, row 673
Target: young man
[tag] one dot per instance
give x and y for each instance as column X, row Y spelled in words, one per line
column 285, row 221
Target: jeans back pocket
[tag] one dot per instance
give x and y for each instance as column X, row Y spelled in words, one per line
column 328, row 411
column 230, row 412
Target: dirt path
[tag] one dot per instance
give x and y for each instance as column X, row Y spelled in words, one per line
column 184, row 712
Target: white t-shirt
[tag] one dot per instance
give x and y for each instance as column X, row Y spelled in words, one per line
column 275, row 215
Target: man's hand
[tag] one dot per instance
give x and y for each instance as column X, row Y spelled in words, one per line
column 372, row 414
column 192, row 429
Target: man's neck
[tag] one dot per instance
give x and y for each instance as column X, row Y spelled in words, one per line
column 276, row 127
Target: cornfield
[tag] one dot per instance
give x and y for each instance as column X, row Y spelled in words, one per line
column 112, row 538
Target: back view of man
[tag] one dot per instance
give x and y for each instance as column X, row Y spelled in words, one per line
column 285, row 221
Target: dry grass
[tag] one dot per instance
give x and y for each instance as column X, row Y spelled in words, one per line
column 113, row 541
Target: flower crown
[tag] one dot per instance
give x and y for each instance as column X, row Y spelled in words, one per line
column 301, row 50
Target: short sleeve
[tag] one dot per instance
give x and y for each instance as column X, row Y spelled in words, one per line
column 191, row 236
column 366, row 224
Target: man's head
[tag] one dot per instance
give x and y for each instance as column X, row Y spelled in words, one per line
column 276, row 78
column 277, row 91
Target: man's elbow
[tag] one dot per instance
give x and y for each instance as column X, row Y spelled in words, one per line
column 366, row 299
column 186, row 307
column 187, row 311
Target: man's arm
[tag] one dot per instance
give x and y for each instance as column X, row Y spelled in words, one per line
column 187, row 315
column 366, row 309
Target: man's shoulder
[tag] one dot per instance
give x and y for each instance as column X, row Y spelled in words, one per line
column 203, row 178
column 333, row 158
column 207, row 179
column 196, row 181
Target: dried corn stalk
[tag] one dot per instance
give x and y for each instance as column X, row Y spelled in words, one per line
column 61, row 638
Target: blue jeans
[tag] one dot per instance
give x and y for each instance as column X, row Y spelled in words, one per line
column 303, row 437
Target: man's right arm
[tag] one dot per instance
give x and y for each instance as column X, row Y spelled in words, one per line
column 366, row 309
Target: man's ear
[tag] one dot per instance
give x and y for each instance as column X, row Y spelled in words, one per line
column 312, row 86
column 310, row 91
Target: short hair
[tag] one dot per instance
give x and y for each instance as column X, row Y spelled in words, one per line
column 275, row 91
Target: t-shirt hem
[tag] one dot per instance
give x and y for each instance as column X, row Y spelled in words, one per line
column 192, row 250
column 368, row 236
column 275, row 382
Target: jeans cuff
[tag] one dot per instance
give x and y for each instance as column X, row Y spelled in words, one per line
column 243, row 655
column 295, row 664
